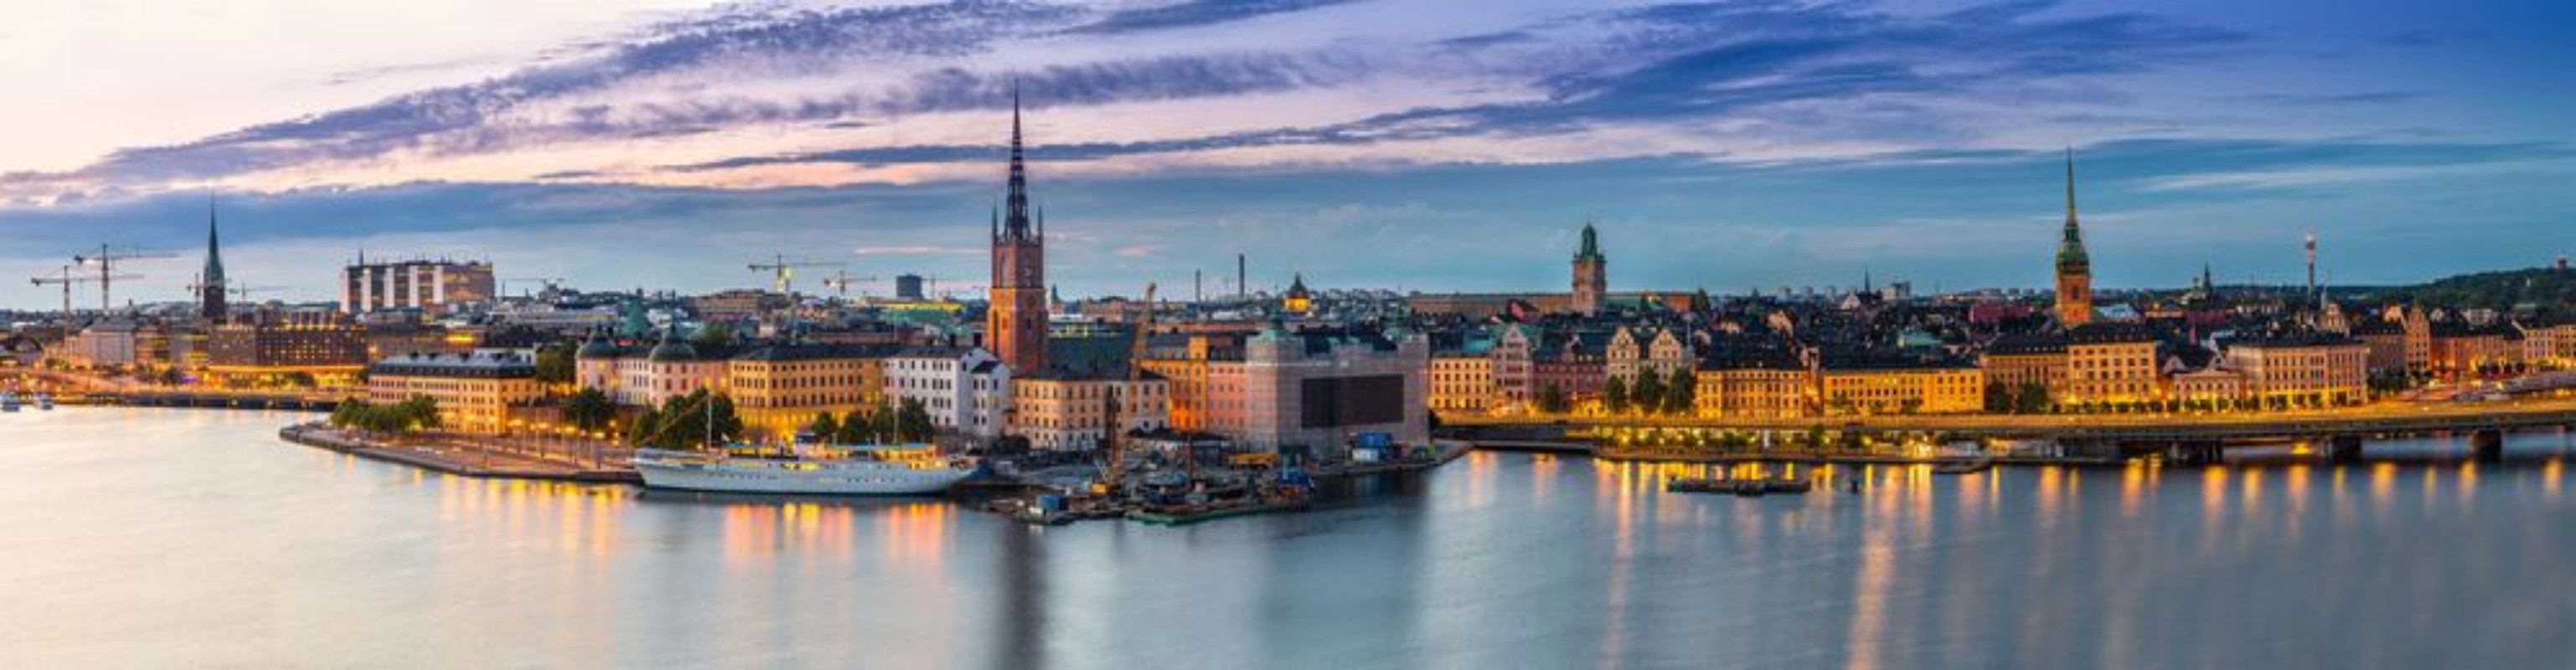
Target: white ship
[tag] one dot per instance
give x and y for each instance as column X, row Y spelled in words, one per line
column 882, row 470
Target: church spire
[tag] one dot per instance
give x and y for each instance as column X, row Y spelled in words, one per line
column 1015, row 222
column 214, row 251
column 2070, row 250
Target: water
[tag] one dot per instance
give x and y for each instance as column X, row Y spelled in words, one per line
column 175, row 538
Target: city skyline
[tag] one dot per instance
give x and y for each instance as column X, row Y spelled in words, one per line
column 1727, row 148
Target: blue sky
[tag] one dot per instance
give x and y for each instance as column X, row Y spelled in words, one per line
column 1394, row 143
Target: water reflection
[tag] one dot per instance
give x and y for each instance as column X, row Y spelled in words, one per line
column 225, row 543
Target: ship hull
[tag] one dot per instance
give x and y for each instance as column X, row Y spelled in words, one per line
column 836, row 479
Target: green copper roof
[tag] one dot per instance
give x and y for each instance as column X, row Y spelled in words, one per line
column 1591, row 246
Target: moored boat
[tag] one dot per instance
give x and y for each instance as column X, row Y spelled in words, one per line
column 876, row 470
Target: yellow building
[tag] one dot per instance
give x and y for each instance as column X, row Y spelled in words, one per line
column 474, row 390
column 1902, row 389
column 1752, row 388
column 2109, row 363
column 2016, row 362
column 1461, row 382
column 778, row 389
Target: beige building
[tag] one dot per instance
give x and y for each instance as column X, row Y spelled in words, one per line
column 1662, row 350
column 2549, row 343
column 2314, row 370
column 2016, row 362
column 474, row 390
column 1752, row 387
column 1063, row 410
column 647, row 377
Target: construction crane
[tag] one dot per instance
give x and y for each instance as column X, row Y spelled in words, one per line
column 930, row 288
column 67, row 279
column 784, row 270
column 106, row 261
column 1127, row 397
column 840, row 281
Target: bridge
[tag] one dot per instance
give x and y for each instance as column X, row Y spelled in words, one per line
column 2185, row 437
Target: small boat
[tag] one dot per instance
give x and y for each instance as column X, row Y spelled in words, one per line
column 1747, row 487
column 45, row 401
column 8, row 401
column 1964, row 467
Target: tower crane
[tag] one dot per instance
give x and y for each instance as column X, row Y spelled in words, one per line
column 840, row 281
column 1118, row 410
column 783, row 270
column 67, row 279
column 106, row 261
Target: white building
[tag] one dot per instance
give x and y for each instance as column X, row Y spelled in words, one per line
column 965, row 389
column 429, row 286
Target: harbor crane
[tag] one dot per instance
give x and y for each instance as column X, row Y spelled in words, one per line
column 783, row 270
column 1126, row 397
column 106, row 261
column 67, row 279
column 841, row 281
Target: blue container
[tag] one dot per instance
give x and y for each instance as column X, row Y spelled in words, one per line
column 1051, row 503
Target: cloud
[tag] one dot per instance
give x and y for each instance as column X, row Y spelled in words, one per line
column 1195, row 13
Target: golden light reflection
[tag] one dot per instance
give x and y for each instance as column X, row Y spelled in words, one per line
column 2552, row 475
column 2052, row 485
column 2253, row 490
column 2133, row 488
column 2468, row 481
column 2383, row 485
column 2213, row 506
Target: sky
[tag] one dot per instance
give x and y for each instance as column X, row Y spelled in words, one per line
column 1426, row 145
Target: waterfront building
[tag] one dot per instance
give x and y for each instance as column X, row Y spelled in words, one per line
column 2211, row 385
column 1575, row 364
column 1462, row 381
column 474, row 390
column 2017, row 362
column 427, row 286
column 1661, row 350
column 2419, row 339
column 1515, row 355
column 777, row 389
column 2462, row 351
column 648, row 376
column 272, row 347
column 2110, row 363
column 2310, row 370
column 107, row 343
column 2074, row 267
column 211, row 288
column 1015, row 320
column 1754, row 385
column 2387, row 342
column 2548, row 341
column 1203, row 370
column 1061, row 409
column 965, row 389
column 1314, row 390
column 1901, row 386
column 1591, row 275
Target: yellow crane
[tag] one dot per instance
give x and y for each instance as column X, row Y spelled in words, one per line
column 1127, row 396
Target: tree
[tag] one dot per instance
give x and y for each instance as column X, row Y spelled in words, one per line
column 1614, row 395
column 302, row 379
column 589, row 409
column 1649, row 391
column 419, row 412
column 882, row 424
column 646, row 427
column 1681, row 393
column 912, row 422
column 729, row 426
column 2033, row 398
column 823, row 426
column 555, row 364
column 856, row 428
column 1999, row 400
column 1552, row 401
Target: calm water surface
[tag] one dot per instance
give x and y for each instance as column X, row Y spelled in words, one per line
column 173, row 538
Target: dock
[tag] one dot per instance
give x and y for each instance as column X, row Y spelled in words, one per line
column 458, row 458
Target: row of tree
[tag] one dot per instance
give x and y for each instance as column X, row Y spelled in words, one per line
column 1651, row 393
column 905, row 422
column 418, row 413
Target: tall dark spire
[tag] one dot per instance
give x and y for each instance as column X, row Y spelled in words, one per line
column 214, row 251
column 1015, row 220
column 2070, row 249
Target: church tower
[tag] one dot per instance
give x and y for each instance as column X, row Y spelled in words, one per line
column 1591, row 275
column 1015, row 324
column 2074, row 268
column 210, row 282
